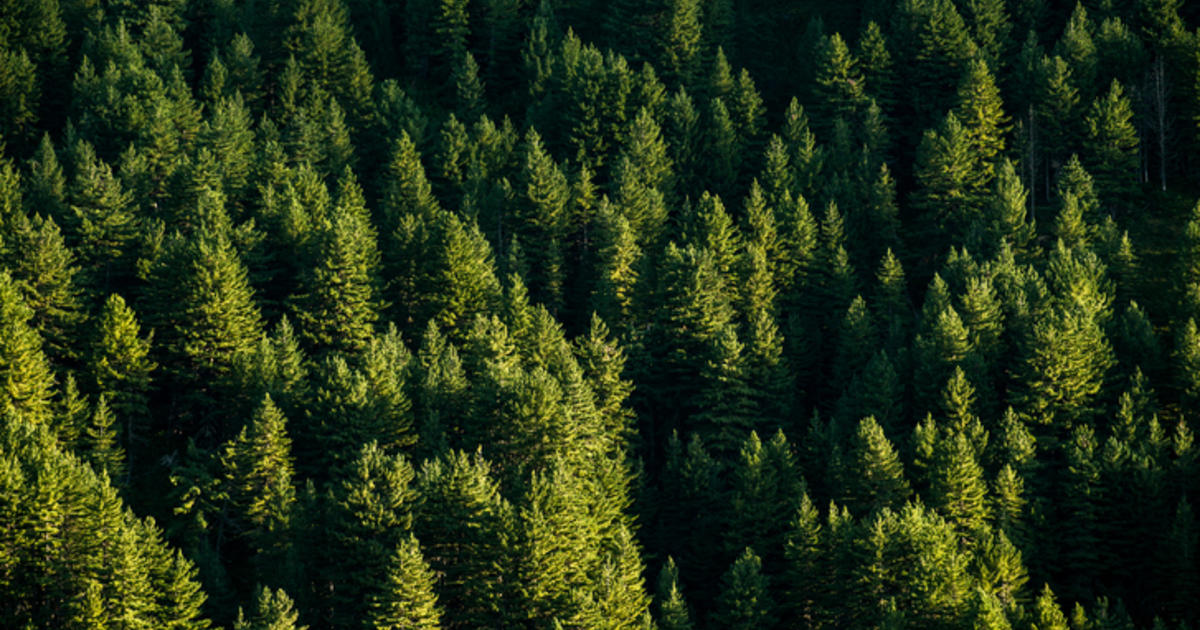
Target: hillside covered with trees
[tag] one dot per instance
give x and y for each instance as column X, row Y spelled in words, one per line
column 600, row 314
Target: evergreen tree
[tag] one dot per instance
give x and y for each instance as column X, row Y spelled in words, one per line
column 680, row 56
column 745, row 601
column 338, row 304
column 467, row 530
column 258, row 474
column 28, row 382
column 409, row 601
column 104, row 449
column 272, row 611
column 1111, row 145
column 873, row 475
column 120, row 367
column 103, row 223
column 41, row 262
column 672, row 608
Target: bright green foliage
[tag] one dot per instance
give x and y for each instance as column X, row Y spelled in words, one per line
column 617, row 268
column 371, row 513
column 840, row 88
column 24, row 371
column 745, row 601
column 1065, row 362
column 40, row 261
column 77, row 555
column 957, row 488
column 272, row 611
column 874, row 476
column 540, row 221
column 764, row 491
column 672, row 608
column 1001, row 571
column 469, row 96
column 320, row 40
column 220, row 317
column 120, row 367
column 466, row 529
column 102, row 222
column 982, row 115
column 1110, row 149
column 952, row 179
column 1187, row 361
column 1046, row 613
column 915, row 559
column 104, row 450
column 258, row 479
column 1077, row 47
column 355, row 403
column 408, row 601
column 339, row 304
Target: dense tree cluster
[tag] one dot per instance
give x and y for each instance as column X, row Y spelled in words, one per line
column 677, row 314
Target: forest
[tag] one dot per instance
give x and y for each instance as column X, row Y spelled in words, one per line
column 599, row 314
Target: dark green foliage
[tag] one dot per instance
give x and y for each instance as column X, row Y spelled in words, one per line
column 745, row 601
column 578, row 288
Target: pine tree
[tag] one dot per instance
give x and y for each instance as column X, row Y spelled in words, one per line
column 258, row 475
column 41, row 262
column 957, row 488
column 680, row 56
column 28, row 382
column 103, row 223
column 745, row 601
column 1111, row 146
column 840, row 89
column 672, row 608
column 466, row 529
column 272, row 611
column 541, row 219
column 104, row 448
column 982, row 115
column 120, row 367
column 1046, row 613
column 873, row 475
column 409, row 601
column 951, row 181
column 339, row 304
column 469, row 94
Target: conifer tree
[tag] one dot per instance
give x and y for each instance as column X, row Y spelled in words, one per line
column 981, row 113
column 258, row 473
column 951, row 180
column 840, row 89
column 541, row 219
column 104, row 448
column 120, row 367
column 1111, row 145
column 469, row 96
column 957, row 488
column 1046, row 613
column 873, row 475
column 103, row 223
column 467, row 529
column 409, row 601
column 28, row 382
column 745, row 601
column 371, row 514
column 680, row 57
column 339, row 304
column 40, row 260
column 272, row 611
column 672, row 608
